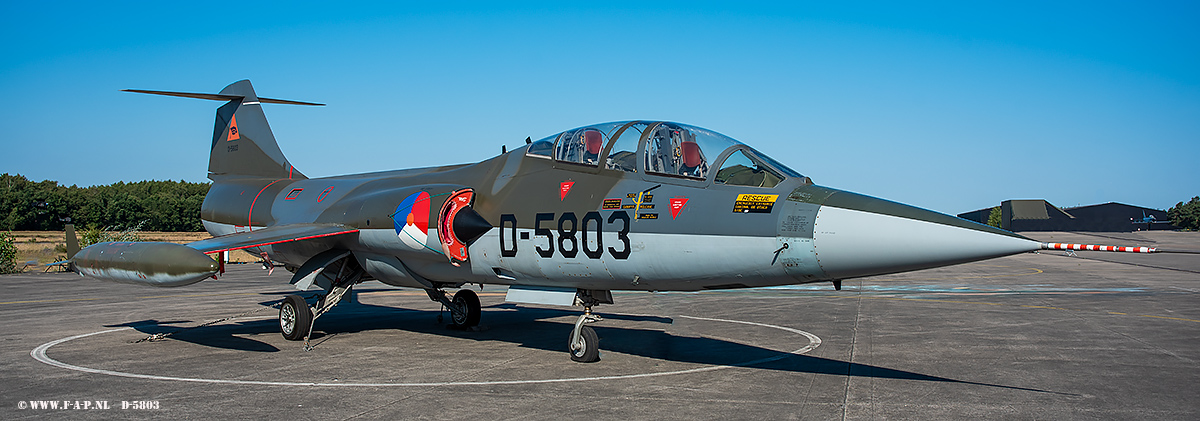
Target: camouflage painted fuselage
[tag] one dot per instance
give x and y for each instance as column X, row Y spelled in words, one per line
column 637, row 205
column 569, row 225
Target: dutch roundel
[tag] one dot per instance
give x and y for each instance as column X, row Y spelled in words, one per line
column 412, row 220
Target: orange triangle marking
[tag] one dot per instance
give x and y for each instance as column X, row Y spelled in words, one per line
column 233, row 131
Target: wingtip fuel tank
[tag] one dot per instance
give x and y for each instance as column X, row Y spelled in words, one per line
column 145, row 263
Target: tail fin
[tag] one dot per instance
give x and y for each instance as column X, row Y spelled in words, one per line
column 242, row 143
column 72, row 248
column 72, row 240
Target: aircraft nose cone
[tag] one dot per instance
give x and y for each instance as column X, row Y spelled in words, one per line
column 469, row 225
column 856, row 235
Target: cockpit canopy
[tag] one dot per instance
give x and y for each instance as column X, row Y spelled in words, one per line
column 666, row 149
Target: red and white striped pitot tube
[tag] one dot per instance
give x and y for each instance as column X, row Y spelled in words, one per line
column 1091, row 247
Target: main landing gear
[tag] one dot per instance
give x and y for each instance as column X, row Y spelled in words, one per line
column 464, row 307
column 296, row 317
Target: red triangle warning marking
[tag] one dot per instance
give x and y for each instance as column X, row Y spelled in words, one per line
column 564, row 188
column 233, row 131
column 677, row 204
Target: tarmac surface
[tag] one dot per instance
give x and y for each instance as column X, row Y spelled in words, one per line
column 1031, row 336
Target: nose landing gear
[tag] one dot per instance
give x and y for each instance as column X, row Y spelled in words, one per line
column 584, row 344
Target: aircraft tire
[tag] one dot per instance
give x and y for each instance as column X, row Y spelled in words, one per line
column 589, row 349
column 469, row 302
column 295, row 318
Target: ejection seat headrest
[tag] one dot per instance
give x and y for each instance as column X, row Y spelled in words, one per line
column 691, row 153
column 594, row 141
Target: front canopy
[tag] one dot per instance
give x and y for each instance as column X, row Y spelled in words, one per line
column 664, row 148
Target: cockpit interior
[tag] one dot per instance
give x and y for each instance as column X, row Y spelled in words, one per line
column 663, row 149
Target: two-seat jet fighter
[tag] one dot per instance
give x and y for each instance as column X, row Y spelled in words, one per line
column 565, row 220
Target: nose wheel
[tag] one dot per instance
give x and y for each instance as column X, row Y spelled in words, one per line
column 584, row 344
column 585, row 348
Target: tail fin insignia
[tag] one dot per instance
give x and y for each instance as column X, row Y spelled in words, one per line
column 233, row 132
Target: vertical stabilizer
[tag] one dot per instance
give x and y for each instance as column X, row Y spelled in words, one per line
column 242, row 144
column 72, row 241
column 72, row 247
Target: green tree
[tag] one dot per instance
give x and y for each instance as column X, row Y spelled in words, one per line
column 994, row 217
column 8, row 253
column 1186, row 215
column 46, row 205
column 93, row 234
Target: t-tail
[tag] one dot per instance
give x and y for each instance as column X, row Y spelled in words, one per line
column 242, row 143
column 242, row 147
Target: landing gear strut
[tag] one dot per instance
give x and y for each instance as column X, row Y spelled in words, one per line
column 296, row 317
column 584, row 344
column 464, row 307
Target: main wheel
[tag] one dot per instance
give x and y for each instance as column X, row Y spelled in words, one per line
column 468, row 302
column 295, row 318
column 587, row 350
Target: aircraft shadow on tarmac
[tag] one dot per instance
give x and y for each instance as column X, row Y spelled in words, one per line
column 225, row 335
column 529, row 328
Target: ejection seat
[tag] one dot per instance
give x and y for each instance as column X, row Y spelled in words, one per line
column 693, row 161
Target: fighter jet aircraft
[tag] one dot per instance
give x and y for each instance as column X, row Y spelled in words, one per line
column 564, row 220
column 1149, row 220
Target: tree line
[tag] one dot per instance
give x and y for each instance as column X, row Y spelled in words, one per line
column 46, row 206
column 1186, row 215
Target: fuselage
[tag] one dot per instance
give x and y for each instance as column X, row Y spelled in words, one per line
column 567, row 222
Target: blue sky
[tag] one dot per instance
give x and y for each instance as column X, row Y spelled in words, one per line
column 951, row 106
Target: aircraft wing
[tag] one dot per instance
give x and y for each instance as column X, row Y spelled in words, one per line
column 267, row 236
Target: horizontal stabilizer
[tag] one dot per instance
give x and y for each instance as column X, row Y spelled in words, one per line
column 267, row 236
column 220, row 97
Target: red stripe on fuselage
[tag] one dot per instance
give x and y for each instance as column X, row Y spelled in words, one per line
column 250, row 216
